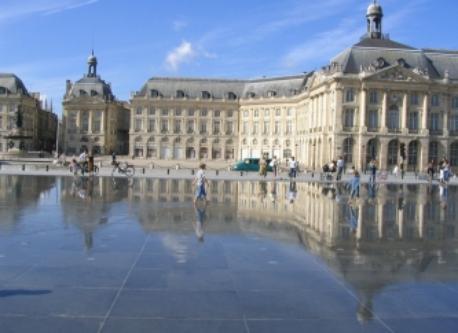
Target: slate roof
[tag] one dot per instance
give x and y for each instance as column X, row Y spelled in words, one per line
column 368, row 51
column 13, row 84
column 220, row 88
column 90, row 85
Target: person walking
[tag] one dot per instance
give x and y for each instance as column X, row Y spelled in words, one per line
column 373, row 171
column 431, row 171
column 90, row 164
column 200, row 181
column 274, row 166
column 263, row 167
column 340, row 168
column 113, row 158
column 293, row 167
column 355, row 184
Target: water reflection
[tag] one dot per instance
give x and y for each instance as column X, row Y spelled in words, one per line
column 389, row 235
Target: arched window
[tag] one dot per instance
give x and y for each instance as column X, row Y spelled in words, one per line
column 393, row 152
column 83, row 92
column 348, row 150
column 265, row 142
column 206, row 95
column 180, row 94
column 94, row 93
column 154, row 93
column 244, row 142
column 255, row 142
column 413, row 155
column 2, row 91
column 231, row 96
column 250, row 94
column 372, row 150
column 434, row 151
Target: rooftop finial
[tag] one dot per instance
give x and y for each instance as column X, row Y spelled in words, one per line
column 374, row 20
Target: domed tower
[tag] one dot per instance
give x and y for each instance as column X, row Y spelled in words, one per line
column 374, row 20
column 92, row 62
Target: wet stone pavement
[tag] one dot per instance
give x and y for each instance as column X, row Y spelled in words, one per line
column 104, row 255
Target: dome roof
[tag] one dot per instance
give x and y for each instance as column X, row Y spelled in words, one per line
column 374, row 9
column 92, row 59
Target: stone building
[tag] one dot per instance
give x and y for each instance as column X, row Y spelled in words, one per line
column 25, row 126
column 378, row 99
column 93, row 119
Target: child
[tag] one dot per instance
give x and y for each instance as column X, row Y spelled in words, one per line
column 200, row 181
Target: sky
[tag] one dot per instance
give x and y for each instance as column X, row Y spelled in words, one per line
column 46, row 42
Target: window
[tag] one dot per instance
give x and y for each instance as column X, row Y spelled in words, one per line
column 177, row 126
column 255, row 128
column 231, row 96
column 414, row 100
column 413, row 120
column 278, row 112
column 97, row 122
column 373, row 119
column 245, row 127
column 94, row 93
column 84, row 122
column 203, row 113
column 216, row 127
column 266, row 113
column 229, row 127
column 393, row 119
column 190, row 126
column 1, row 123
column 348, row 150
column 178, row 113
column 151, row 125
column 154, row 93
column 216, row 114
column 230, row 114
column 349, row 116
column 139, row 111
column 164, row 113
column 138, row 125
column 2, row 91
column 434, row 123
column 435, row 100
column 164, row 126
column 191, row 113
column 289, row 127
column 266, row 127
column 277, row 127
column 180, row 94
column 250, row 94
column 151, row 112
column 289, row 112
column 373, row 97
column 350, row 95
column 206, row 95
column 203, row 127
column 455, row 102
column 271, row 93
column 245, row 113
column 256, row 113
column 453, row 124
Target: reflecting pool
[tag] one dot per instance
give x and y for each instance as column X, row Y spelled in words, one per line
column 119, row 255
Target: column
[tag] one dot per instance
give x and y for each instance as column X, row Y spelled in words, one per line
column 424, row 115
column 363, row 111
column 360, row 158
column 446, row 113
column 91, row 113
column 380, row 218
column 421, row 220
column 359, row 229
column 383, row 154
column 384, row 112
column 338, row 124
column 424, row 151
column 401, row 223
column 404, row 114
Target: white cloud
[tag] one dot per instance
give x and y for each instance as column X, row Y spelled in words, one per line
column 183, row 53
column 10, row 10
column 179, row 25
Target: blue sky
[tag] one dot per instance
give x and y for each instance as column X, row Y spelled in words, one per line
column 46, row 42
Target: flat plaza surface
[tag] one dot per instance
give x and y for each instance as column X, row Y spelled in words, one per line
column 118, row 255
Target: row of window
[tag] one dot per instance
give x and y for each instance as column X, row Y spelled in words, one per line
column 256, row 113
column 266, row 128
column 265, row 142
column 177, row 126
column 435, row 120
column 374, row 98
column 190, row 113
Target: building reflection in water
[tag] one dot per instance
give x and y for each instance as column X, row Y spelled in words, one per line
column 391, row 235
column 19, row 193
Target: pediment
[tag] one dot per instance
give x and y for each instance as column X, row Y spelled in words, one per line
column 398, row 74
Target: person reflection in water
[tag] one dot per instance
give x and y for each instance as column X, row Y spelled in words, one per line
column 273, row 191
column 292, row 192
column 443, row 195
column 200, row 208
column 352, row 218
column 262, row 190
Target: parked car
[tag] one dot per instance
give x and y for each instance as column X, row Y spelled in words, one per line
column 250, row 164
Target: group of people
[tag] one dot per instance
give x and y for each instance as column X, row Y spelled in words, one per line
column 84, row 164
column 445, row 172
column 274, row 164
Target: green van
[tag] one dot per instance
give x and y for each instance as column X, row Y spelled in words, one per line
column 250, row 164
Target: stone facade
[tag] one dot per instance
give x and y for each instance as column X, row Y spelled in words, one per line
column 25, row 126
column 378, row 99
column 93, row 119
